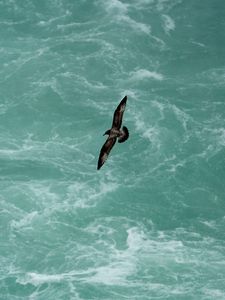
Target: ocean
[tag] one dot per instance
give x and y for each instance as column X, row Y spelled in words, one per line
column 150, row 224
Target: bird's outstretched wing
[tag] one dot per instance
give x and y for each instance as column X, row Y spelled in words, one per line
column 106, row 148
column 118, row 114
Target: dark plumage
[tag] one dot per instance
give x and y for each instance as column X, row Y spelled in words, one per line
column 114, row 133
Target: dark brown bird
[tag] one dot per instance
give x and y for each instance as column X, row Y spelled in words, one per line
column 114, row 133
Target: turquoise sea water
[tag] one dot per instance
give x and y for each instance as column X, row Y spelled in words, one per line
column 151, row 223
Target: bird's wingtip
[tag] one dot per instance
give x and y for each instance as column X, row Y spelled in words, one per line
column 124, row 100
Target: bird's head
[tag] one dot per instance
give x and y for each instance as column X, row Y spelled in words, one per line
column 107, row 132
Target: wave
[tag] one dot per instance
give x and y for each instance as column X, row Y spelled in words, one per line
column 25, row 222
column 116, row 7
column 142, row 74
column 216, row 76
column 168, row 23
column 119, row 12
column 37, row 279
column 85, row 196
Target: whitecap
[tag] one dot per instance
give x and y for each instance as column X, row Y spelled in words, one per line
column 142, row 3
column 25, row 221
column 115, row 7
column 168, row 23
column 137, row 26
column 198, row 44
column 147, row 131
column 166, row 5
column 70, row 25
column 215, row 75
column 135, row 239
column 114, row 273
column 210, row 224
column 214, row 293
column 37, row 279
column 86, row 196
column 123, row 262
column 119, row 12
column 142, row 74
column 221, row 136
column 3, row 109
column 215, row 141
column 173, row 168
column 52, row 20
column 182, row 116
column 152, row 134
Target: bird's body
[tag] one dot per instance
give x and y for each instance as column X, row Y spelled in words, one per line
column 114, row 133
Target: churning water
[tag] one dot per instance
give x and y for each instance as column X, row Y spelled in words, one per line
column 150, row 224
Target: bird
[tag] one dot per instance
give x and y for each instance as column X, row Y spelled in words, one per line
column 114, row 133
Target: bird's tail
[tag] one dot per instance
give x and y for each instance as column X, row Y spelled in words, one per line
column 124, row 135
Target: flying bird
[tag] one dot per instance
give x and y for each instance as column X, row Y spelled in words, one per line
column 114, row 133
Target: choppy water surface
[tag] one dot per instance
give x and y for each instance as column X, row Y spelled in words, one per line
column 150, row 224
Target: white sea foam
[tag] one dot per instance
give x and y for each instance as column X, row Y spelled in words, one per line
column 92, row 84
column 152, row 134
column 140, row 250
column 23, row 59
column 199, row 44
column 160, row 108
column 215, row 140
column 135, row 239
column 140, row 3
column 114, row 273
column 168, row 23
column 143, row 74
column 3, row 109
column 221, row 136
column 174, row 166
column 37, row 279
column 119, row 11
column 139, row 241
column 137, row 26
column 166, row 5
column 210, row 224
column 215, row 75
column 74, row 25
column 181, row 115
column 52, row 20
column 123, row 263
column 116, row 7
column 25, row 221
column 42, row 191
column 11, row 23
column 85, row 196
column 212, row 293
column 147, row 131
